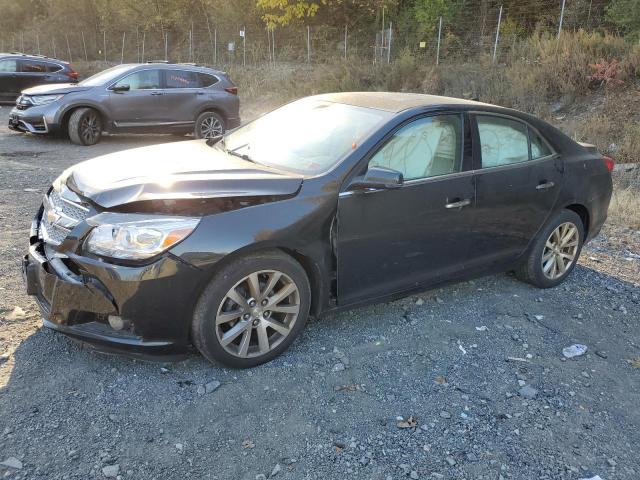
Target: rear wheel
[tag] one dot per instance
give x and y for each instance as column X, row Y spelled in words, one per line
column 209, row 125
column 252, row 310
column 85, row 126
column 555, row 251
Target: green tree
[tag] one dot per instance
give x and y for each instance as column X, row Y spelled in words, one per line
column 428, row 13
column 625, row 14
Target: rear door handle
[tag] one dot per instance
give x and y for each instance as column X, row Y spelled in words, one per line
column 545, row 186
column 459, row 203
column 156, row 93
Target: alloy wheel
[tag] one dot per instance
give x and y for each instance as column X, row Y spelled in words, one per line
column 89, row 128
column 210, row 127
column 257, row 313
column 560, row 250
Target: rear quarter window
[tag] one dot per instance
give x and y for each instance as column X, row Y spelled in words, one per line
column 207, row 80
column 53, row 67
column 182, row 79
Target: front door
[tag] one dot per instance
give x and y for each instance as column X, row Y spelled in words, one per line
column 392, row 240
column 142, row 106
column 517, row 186
column 9, row 82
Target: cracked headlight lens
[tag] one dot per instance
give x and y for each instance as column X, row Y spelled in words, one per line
column 139, row 239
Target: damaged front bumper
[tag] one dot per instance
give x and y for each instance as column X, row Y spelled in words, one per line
column 78, row 294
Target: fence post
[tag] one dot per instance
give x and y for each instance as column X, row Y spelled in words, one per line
column 104, row 44
column 206, row 16
column 122, row 53
column 54, row 47
column 215, row 45
column 37, row 42
column 244, row 46
column 561, row 19
column 191, row 56
column 144, row 34
column 308, row 45
column 345, row 42
column 84, row 47
column 166, row 46
column 273, row 44
column 495, row 45
column 389, row 45
column 68, row 48
column 439, row 35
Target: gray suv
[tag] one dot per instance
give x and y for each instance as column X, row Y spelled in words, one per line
column 135, row 98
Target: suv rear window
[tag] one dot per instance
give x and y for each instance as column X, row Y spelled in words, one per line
column 188, row 79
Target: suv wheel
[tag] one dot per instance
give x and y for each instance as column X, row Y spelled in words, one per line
column 209, row 125
column 555, row 251
column 252, row 310
column 85, row 126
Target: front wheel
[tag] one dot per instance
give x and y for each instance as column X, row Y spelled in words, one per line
column 209, row 125
column 85, row 127
column 252, row 310
column 555, row 251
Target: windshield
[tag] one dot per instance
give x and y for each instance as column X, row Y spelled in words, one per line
column 105, row 76
column 308, row 136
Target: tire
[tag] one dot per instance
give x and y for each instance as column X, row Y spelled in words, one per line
column 209, row 125
column 218, row 320
column 552, row 273
column 85, row 127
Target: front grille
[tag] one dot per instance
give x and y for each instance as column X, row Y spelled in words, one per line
column 62, row 212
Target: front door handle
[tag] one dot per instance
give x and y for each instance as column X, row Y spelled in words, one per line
column 459, row 203
column 156, row 93
column 545, row 186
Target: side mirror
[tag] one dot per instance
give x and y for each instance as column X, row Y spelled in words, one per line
column 121, row 88
column 377, row 177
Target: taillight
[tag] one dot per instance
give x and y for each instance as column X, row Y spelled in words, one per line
column 73, row 74
column 232, row 90
column 608, row 161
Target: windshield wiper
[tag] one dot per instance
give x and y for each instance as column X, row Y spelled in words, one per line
column 243, row 156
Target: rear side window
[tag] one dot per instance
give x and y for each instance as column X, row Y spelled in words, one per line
column 502, row 141
column 142, row 80
column 8, row 66
column 32, row 66
column 182, row 79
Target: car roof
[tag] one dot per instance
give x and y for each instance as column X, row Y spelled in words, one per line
column 397, row 102
column 28, row 56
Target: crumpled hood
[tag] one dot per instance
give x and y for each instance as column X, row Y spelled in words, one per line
column 171, row 171
column 55, row 88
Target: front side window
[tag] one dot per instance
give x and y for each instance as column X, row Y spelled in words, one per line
column 10, row 66
column 182, row 79
column 30, row 66
column 142, row 80
column 502, row 141
column 426, row 147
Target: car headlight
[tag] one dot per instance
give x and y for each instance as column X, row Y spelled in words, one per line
column 44, row 99
column 138, row 239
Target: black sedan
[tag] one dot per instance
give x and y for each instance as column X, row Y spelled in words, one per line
column 327, row 203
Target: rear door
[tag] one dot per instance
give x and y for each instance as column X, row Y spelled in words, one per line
column 143, row 105
column 518, row 179
column 186, row 94
column 9, row 84
column 32, row 73
column 391, row 240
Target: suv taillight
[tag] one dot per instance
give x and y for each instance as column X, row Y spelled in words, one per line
column 608, row 161
column 232, row 90
column 73, row 74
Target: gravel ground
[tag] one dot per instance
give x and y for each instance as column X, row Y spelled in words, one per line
column 464, row 382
